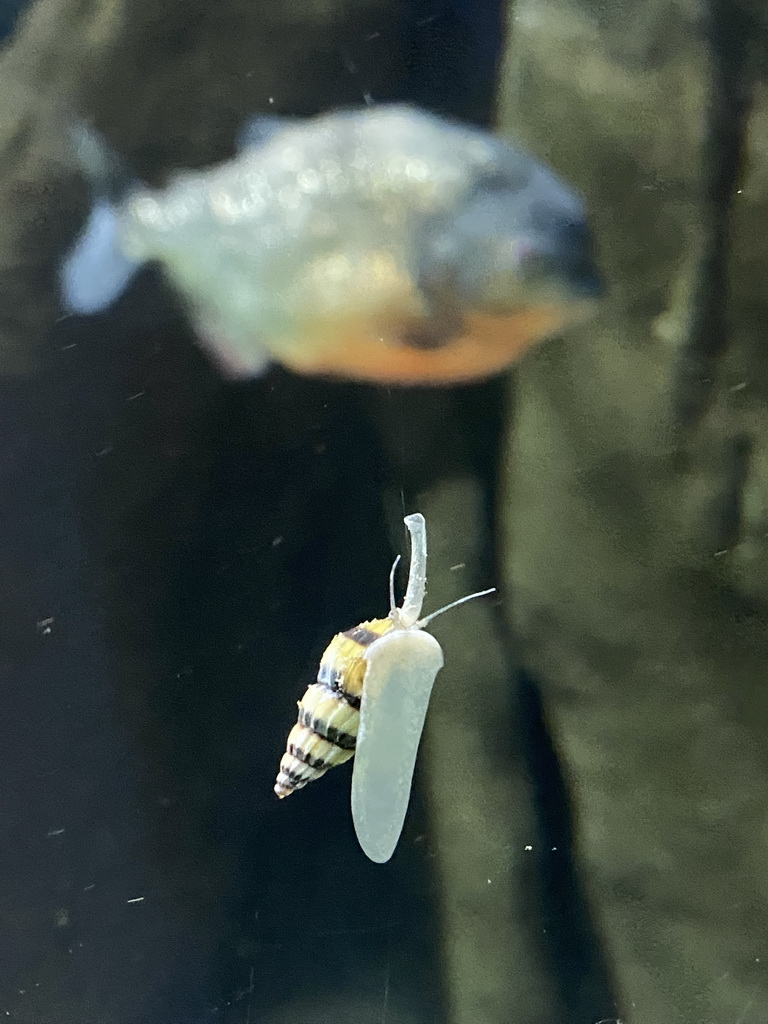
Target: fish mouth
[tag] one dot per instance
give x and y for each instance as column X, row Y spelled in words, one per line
column 576, row 280
column 484, row 346
column 564, row 261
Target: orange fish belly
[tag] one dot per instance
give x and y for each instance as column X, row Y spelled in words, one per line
column 488, row 345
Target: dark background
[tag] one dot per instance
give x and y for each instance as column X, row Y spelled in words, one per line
column 176, row 554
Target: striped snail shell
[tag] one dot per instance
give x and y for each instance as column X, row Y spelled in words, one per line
column 329, row 712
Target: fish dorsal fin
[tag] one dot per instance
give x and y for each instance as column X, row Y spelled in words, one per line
column 260, row 129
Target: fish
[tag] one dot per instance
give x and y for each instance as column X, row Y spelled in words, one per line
column 384, row 244
column 370, row 702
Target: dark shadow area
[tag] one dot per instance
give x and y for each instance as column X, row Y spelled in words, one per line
column 728, row 29
column 558, row 897
column 454, row 56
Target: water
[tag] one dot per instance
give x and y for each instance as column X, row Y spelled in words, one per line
column 585, row 840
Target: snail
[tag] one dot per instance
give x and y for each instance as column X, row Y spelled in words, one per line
column 370, row 701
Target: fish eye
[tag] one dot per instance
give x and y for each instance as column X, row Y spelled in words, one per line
column 494, row 180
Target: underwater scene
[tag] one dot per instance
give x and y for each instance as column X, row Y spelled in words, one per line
column 383, row 512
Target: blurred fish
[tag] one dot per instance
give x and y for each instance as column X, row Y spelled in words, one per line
column 382, row 244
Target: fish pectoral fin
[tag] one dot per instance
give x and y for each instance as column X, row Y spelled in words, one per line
column 234, row 361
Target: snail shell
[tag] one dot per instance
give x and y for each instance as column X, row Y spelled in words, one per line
column 325, row 733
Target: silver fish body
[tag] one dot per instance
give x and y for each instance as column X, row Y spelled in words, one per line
column 380, row 244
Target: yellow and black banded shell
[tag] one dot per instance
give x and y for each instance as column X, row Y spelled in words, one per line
column 329, row 712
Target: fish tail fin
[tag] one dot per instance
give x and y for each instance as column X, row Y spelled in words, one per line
column 96, row 271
